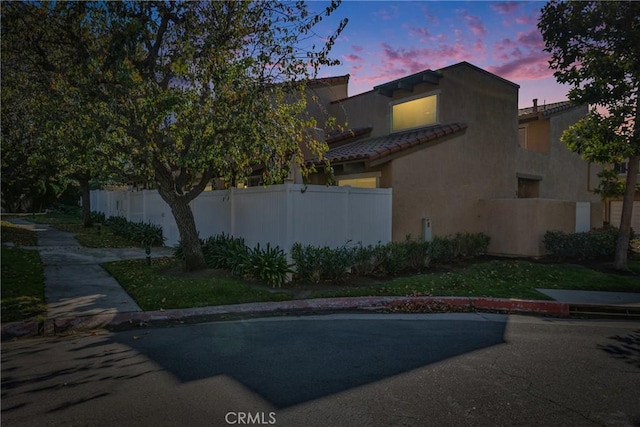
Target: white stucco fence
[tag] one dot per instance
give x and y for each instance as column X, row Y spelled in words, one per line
column 280, row 214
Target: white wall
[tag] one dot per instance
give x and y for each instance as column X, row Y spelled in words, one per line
column 280, row 215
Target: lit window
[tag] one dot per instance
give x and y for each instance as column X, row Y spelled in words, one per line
column 413, row 114
column 368, row 182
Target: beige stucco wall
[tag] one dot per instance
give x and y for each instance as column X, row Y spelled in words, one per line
column 445, row 181
column 564, row 175
column 469, row 181
column 517, row 226
column 319, row 97
column 368, row 109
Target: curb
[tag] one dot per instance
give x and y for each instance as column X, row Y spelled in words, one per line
column 54, row 326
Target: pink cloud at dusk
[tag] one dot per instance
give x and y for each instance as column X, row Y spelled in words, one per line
column 532, row 67
column 417, row 31
column 386, row 14
column 352, row 58
column 506, row 8
column 474, row 23
column 527, row 19
column 390, row 39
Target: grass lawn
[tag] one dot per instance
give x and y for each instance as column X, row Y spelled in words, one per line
column 163, row 286
column 22, row 291
column 18, row 235
column 500, row 279
column 98, row 236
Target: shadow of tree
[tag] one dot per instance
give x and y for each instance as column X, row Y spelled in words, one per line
column 626, row 348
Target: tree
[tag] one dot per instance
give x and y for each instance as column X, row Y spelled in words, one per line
column 595, row 47
column 191, row 91
column 57, row 120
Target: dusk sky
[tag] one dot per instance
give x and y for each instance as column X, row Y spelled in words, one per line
column 385, row 40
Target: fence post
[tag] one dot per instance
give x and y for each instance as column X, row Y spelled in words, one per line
column 232, row 207
column 346, row 211
column 289, row 218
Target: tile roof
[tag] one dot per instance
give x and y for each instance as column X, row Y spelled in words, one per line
column 343, row 137
column 547, row 110
column 382, row 146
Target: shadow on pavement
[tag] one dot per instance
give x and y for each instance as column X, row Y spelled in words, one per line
column 290, row 362
column 626, row 348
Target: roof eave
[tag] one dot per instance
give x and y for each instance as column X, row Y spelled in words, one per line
column 408, row 83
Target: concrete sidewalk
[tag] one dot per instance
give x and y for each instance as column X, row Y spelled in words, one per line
column 81, row 295
column 75, row 285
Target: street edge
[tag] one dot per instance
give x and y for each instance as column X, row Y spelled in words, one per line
column 59, row 325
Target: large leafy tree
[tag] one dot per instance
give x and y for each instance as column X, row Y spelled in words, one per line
column 58, row 124
column 595, row 47
column 186, row 92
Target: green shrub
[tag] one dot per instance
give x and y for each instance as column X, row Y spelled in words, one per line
column 470, row 244
column 418, row 254
column 441, row 249
column 268, row 265
column 316, row 264
column 146, row 234
column 226, row 252
column 395, row 258
column 368, row 260
column 98, row 217
column 595, row 244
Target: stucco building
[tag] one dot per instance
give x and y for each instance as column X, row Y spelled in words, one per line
column 460, row 156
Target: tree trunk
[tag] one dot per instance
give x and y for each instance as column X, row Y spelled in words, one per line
column 86, row 201
column 622, row 247
column 182, row 213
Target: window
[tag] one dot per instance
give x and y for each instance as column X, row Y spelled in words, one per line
column 620, row 168
column 528, row 188
column 535, row 136
column 414, row 113
column 522, row 137
column 366, row 180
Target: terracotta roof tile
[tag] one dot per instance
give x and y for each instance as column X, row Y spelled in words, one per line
column 547, row 110
column 382, row 146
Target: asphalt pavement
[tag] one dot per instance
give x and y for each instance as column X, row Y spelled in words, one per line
column 373, row 370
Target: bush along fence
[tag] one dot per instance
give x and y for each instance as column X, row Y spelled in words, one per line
column 267, row 264
column 146, row 234
column 316, row 264
column 592, row 245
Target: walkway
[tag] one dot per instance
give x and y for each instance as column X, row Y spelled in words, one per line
column 75, row 284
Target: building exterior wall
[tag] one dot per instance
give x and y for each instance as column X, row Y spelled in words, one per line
column 444, row 181
column 517, row 226
column 469, row 181
column 368, row 109
column 563, row 174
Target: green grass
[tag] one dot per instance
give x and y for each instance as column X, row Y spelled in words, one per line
column 500, row 279
column 22, row 291
column 161, row 286
column 98, row 236
column 55, row 218
column 17, row 234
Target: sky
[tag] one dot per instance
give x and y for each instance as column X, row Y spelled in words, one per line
column 386, row 40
